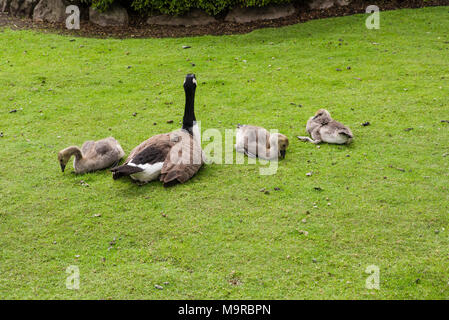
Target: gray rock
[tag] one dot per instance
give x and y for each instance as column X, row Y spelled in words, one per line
column 194, row 17
column 343, row 2
column 116, row 16
column 50, row 11
column 4, row 5
column 326, row 4
column 245, row 15
column 321, row 4
column 18, row 7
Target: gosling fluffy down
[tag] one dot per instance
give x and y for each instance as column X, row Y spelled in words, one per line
column 322, row 128
column 258, row 142
column 93, row 155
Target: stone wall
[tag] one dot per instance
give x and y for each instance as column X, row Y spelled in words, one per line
column 18, row 7
column 54, row 11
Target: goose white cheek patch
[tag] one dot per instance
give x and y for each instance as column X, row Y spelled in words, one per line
column 193, row 80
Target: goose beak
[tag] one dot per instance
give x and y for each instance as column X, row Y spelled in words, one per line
column 62, row 167
column 283, row 152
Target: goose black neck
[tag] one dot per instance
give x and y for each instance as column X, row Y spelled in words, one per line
column 189, row 111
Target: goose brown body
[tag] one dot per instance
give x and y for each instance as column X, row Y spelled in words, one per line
column 178, row 153
column 172, row 157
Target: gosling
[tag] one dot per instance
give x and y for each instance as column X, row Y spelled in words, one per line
column 93, row 155
column 258, row 142
column 322, row 128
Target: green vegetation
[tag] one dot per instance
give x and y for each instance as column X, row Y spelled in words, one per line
column 181, row 6
column 218, row 236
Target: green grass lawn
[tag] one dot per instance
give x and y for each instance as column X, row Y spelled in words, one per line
column 218, row 236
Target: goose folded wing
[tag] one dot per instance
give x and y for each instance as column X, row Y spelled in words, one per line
column 162, row 141
column 342, row 129
column 151, row 151
column 152, row 154
column 102, row 147
column 183, row 161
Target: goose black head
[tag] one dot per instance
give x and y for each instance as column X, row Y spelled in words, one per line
column 190, row 82
column 189, row 112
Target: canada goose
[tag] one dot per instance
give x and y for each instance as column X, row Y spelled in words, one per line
column 174, row 157
column 323, row 128
column 93, row 155
column 258, row 142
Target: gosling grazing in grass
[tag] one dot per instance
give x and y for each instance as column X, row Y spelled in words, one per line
column 172, row 157
column 93, row 155
column 322, row 128
column 258, row 142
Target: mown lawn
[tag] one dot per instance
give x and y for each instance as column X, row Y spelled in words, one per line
column 218, row 236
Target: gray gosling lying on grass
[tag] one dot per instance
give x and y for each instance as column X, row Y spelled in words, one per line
column 258, row 142
column 93, row 155
column 323, row 128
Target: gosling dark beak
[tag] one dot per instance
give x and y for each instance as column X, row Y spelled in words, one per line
column 62, row 167
column 283, row 154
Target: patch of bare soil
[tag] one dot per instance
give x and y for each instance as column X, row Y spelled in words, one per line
column 139, row 29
